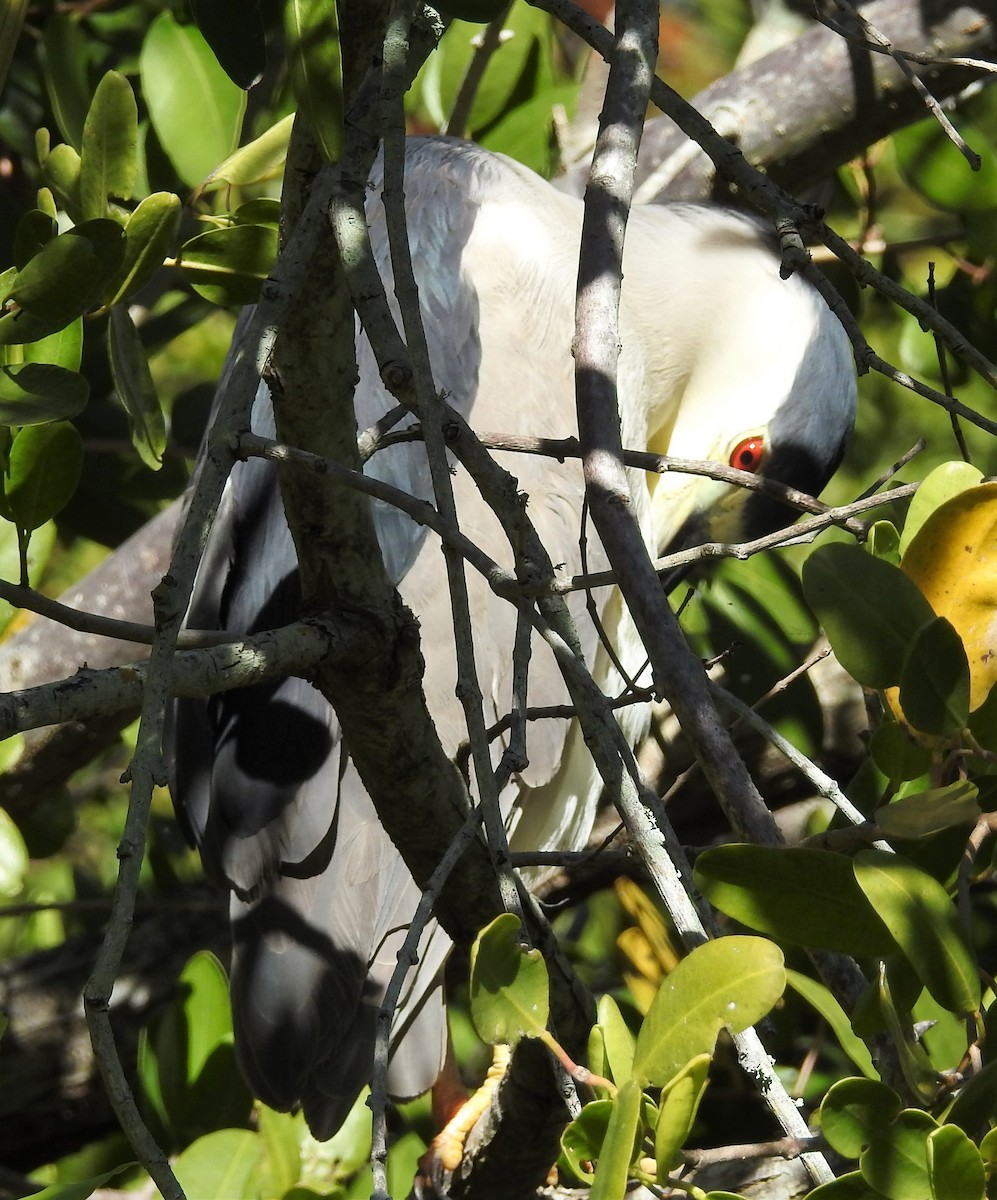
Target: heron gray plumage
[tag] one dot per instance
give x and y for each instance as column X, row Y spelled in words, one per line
column 716, row 348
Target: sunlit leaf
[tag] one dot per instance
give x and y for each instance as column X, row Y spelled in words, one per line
column 37, row 392
column 65, row 56
column 869, row 609
column 223, row 1163
column 177, row 65
column 620, row 1145
column 251, row 163
column 312, row 35
column 582, row 1140
column 14, row 860
column 509, row 985
column 925, row 813
column 935, row 167
column 677, row 1109
column 619, row 1042
column 854, row 1111
column 924, row 923
column 955, row 1168
column 110, row 146
column 794, row 894
column 44, row 469
column 227, row 266
column 61, row 171
column 937, row 487
column 64, row 348
column 729, row 982
column 824, row 1002
column 150, row 236
column 896, row 1161
column 953, row 560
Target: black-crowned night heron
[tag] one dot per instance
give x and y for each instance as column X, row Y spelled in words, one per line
column 721, row 359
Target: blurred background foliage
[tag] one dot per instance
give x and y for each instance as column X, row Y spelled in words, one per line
column 921, row 216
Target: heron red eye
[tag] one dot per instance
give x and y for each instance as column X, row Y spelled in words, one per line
column 747, row 455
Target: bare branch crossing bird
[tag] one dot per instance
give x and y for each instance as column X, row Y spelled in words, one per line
column 721, row 359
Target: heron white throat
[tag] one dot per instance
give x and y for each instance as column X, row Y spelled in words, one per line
column 720, row 358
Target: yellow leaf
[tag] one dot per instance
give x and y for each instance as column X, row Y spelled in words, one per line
column 953, row 560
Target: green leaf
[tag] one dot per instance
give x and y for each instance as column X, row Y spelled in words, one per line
column 509, row 985
column 935, row 683
column 14, row 860
column 976, row 1102
column 619, row 1042
column 234, row 31
column 11, row 21
column 935, row 489
column 621, row 1145
column 897, row 755
column 582, row 1140
column 259, row 160
column 64, row 348
column 730, row 982
column 136, row 391
column 955, row 1167
column 809, row 897
column 824, row 1002
column 227, row 266
column 677, row 1109
column 896, row 1161
column 869, row 609
column 61, row 171
column 855, row 1111
column 281, row 1137
column 80, row 1189
column 312, row 35
column 223, row 1163
column 150, row 235
column 110, row 147
column 934, row 166
column 60, row 283
column 884, row 542
column 846, row 1187
column 924, row 923
column 180, row 75
column 65, row 58
column 928, row 812
column 36, row 392
column 44, row 469
column 34, row 231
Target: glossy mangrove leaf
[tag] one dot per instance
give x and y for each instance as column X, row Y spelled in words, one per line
column 955, row 1168
column 61, row 171
column 43, row 471
column 509, row 985
column 870, row 611
column 150, row 236
column 177, row 65
column 60, row 283
column 65, row 62
column 620, row 1146
column 729, row 982
column 109, row 157
column 64, row 348
column 937, row 487
column 677, row 1109
column 222, row 1163
column 34, row 231
column 799, row 895
column 37, row 392
column 924, row 923
column 823, row 1001
column 136, row 390
column 311, row 32
column 897, row 754
column 934, row 166
column 618, row 1041
column 884, row 542
column 855, row 1111
column 260, row 159
column 935, row 682
column 227, row 266
column 896, row 1160
column 582, row 1140
column 953, row 560
column 928, row 812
